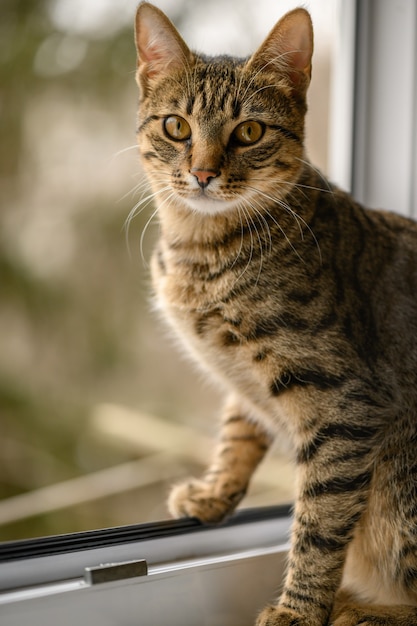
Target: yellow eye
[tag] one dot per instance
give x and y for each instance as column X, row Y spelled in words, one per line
column 248, row 132
column 177, row 128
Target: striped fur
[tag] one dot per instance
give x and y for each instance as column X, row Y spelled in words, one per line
column 301, row 304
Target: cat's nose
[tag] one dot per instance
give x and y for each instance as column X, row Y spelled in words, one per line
column 204, row 176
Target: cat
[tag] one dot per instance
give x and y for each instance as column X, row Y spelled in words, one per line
column 300, row 303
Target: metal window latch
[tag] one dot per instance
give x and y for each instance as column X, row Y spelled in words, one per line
column 111, row 572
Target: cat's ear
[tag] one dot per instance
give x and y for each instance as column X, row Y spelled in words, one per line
column 288, row 50
column 159, row 46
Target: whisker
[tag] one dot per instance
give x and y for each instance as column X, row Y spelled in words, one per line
column 143, row 201
column 142, row 237
column 265, row 229
column 288, row 240
column 241, row 239
column 318, row 172
column 299, row 185
column 136, row 210
column 136, row 188
column 298, row 218
column 279, row 225
column 260, row 248
column 123, row 150
column 264, row 225
column 243, row 210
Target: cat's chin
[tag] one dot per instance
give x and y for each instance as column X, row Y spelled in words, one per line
column 209, row 206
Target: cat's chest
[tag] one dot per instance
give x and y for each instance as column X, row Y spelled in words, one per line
column 215, row 331
column 228, row 331
column 218, row 347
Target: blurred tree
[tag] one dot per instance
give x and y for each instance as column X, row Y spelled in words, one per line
column 61, row 331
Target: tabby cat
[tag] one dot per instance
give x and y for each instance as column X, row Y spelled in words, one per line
column 302, row 305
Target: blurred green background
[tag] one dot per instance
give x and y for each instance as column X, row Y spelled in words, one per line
column 83, row 361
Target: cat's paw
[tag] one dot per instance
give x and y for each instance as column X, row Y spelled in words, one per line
column 279, row 616
column 196, row 498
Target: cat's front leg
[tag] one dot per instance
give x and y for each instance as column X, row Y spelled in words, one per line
column 334, row 476
column 320, row 536
column 241, row 446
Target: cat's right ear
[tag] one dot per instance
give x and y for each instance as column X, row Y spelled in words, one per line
column 288, row 50
column 159, row 46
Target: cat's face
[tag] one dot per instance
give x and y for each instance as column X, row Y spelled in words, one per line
column 220, row 134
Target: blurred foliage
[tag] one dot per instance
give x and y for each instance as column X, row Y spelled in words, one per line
column 24, row 26
column 67, row 327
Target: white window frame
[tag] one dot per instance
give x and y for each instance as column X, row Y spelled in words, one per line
column 373, row 138
column 172, row 573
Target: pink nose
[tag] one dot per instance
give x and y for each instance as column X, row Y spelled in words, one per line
column 203, row 176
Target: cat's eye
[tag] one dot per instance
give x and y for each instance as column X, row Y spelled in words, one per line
column 248, row 133
column 177, row 128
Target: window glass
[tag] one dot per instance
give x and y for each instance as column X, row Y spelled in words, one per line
column 99, row 412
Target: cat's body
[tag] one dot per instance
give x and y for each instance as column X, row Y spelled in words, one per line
column 302, row 305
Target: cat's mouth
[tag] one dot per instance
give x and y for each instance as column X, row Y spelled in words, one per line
column 208, row 199
column 209, row 205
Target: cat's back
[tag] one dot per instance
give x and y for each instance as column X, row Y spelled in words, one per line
column 398, row 239
column 375, row 248
column 380, row 261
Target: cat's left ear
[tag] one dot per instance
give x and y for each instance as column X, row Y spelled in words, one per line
column 288, row 50
column 159, row 46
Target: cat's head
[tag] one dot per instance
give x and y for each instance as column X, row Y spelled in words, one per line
column 220, row 133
